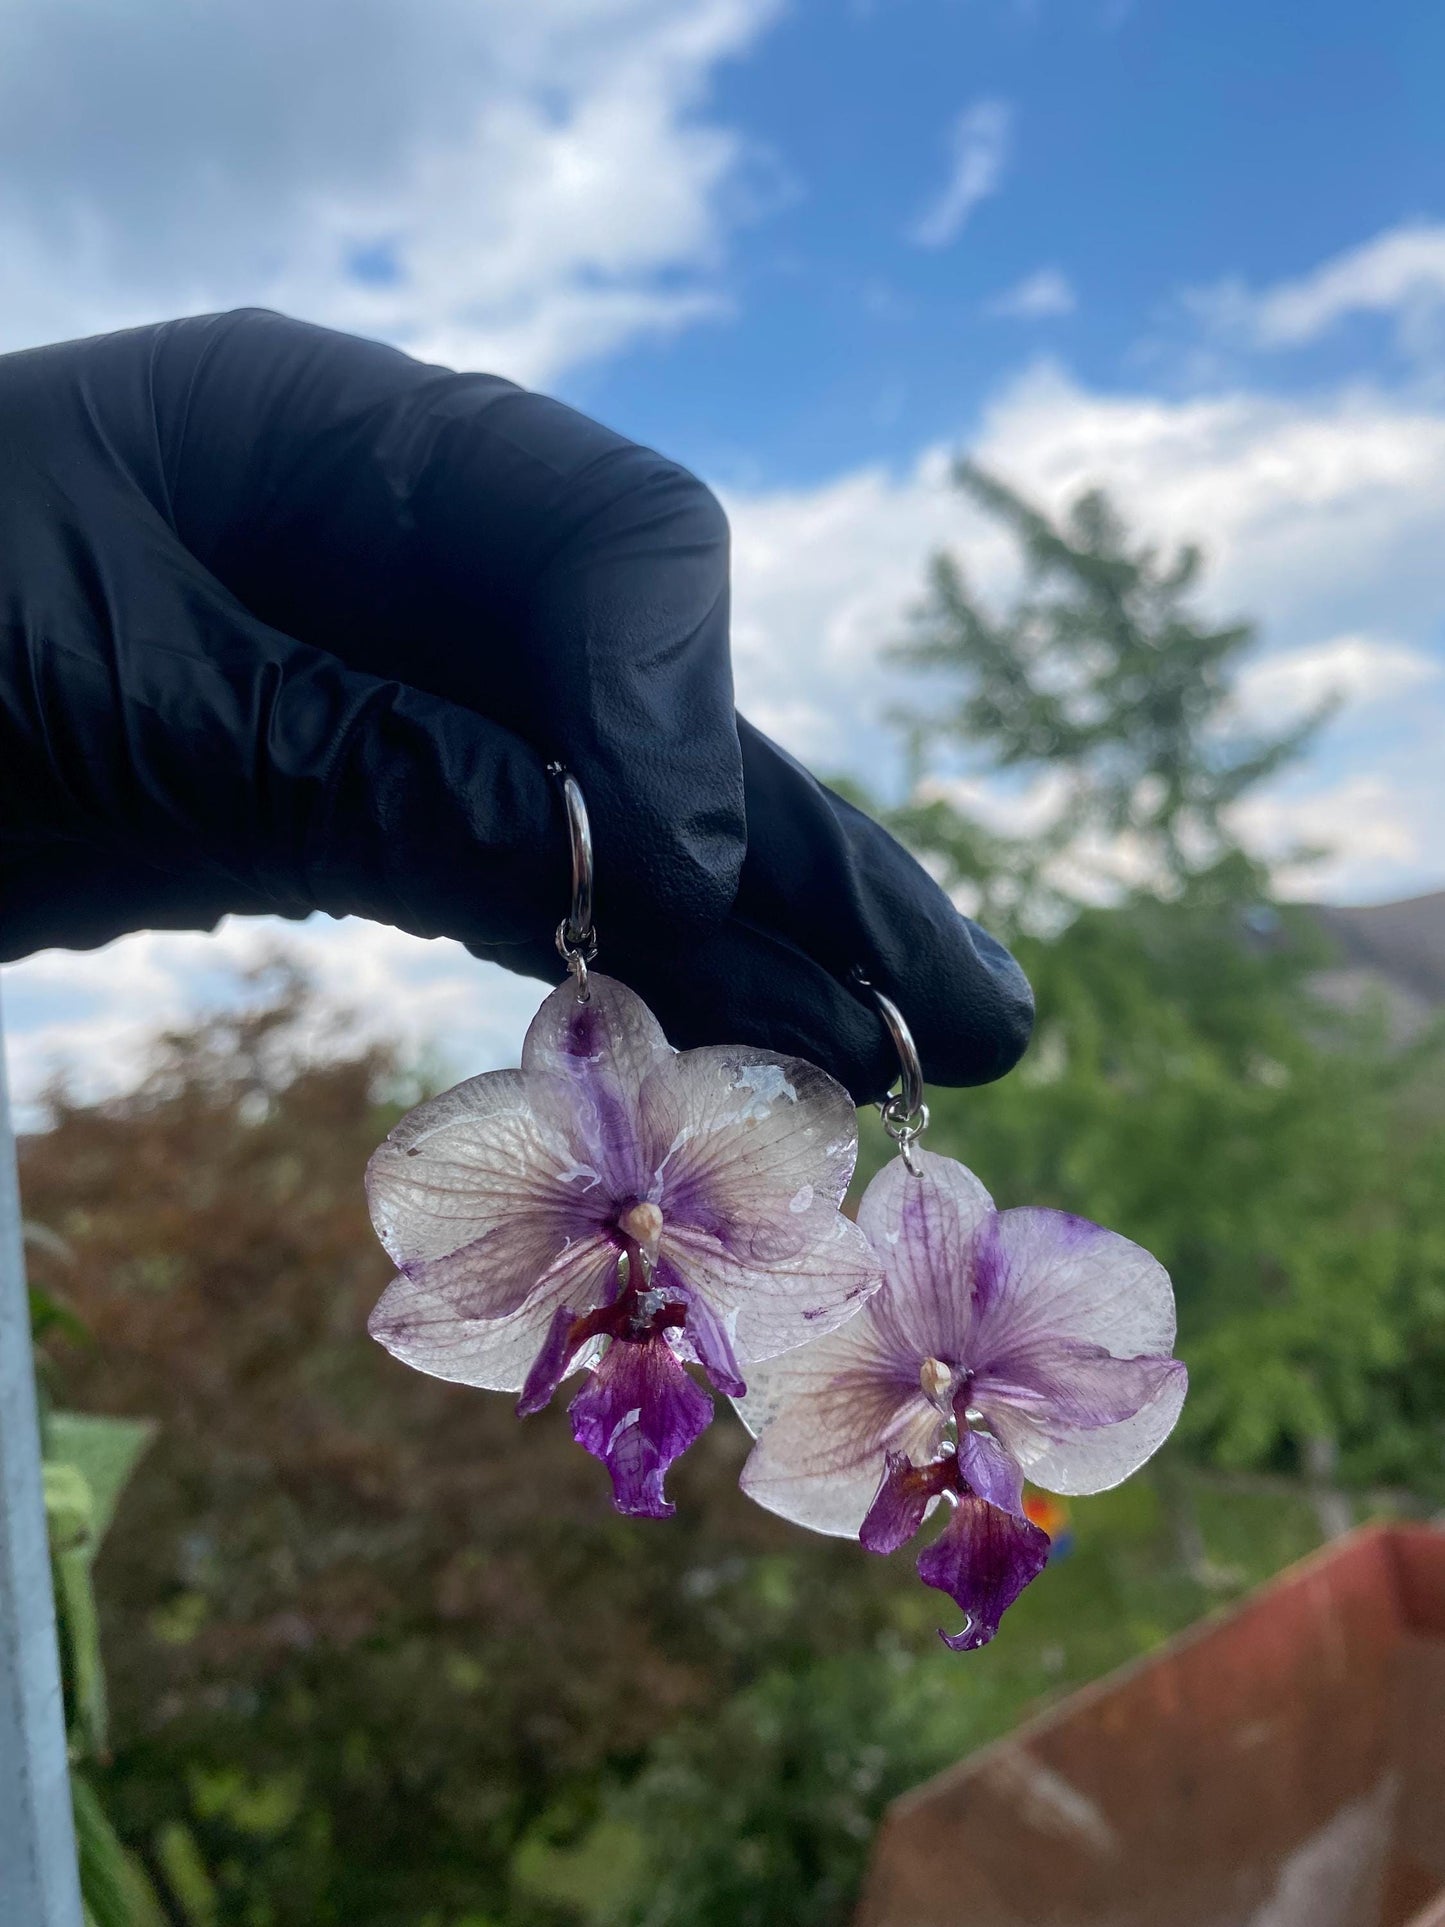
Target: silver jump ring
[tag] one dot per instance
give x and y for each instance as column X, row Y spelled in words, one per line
column 576, row 938
column 904, row 1113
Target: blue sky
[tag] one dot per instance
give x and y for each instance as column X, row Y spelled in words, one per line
column 1195, row 252
column 1145, row 150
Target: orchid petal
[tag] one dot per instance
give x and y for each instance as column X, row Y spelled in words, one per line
column 603, row 1051
column 1071, row 1349
column 552, row 1363
column 1065, row 1388
column 923, row 1229
column 982, row 1559
column 637, row 1413
column 900, row 1507
column 704, row 1338
column 504, row 1271
column 825, row 1418
column 775, row 1307
column 435, row 1331
column 1081, row 1460
column 755, row 1152
column 1045, row 1275
column 990, row 1472
column 490, row 1169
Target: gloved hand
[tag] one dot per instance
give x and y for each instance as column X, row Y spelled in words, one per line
column 289, row 621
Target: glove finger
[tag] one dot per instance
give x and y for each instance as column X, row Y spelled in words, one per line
column 268, row 770
column 488, row 546
column 72, row 896
column 833, row 885
column 831, row 878
column 826, row 891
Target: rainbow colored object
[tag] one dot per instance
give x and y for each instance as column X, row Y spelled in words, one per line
column 1052, row 1516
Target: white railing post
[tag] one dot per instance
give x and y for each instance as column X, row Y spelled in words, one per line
column 39, row 1881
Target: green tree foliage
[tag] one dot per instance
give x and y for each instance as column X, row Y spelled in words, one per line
column 1099, row 678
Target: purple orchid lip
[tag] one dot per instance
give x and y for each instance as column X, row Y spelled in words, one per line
column 639, row 1411
column 989, row 1550
column 1002, row 1345
column 638, row 1314
column 983, row 1559
column 510, row 1202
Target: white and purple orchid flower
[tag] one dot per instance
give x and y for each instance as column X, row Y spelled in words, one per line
column 619, row 1207
column 1002, row 1345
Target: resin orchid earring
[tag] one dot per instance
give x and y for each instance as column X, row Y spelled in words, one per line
column 1001, row 1345
column 619, row 1209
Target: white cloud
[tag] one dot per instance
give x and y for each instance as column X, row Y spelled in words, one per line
column 1024, row 809
column 1365, row 827
column 1400, row 272
column 91, row 1013
column 1320, row 517
column 822, row 580
column 978, row 145
column 1092, row 868
column 519, row 185
column 1370, row 825
column 1354, row 670
column 1039, row 295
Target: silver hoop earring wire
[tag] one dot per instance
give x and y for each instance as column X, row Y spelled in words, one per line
column 904, row 1113
column 576, row 938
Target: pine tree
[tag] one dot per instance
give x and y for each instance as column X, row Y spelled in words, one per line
column 1103, row 685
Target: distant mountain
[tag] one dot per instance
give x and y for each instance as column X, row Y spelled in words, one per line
column 1393, row 951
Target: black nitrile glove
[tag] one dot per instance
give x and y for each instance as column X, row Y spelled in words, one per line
column 289, row 621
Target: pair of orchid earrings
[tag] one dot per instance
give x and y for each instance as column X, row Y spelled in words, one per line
column 619, row 1209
